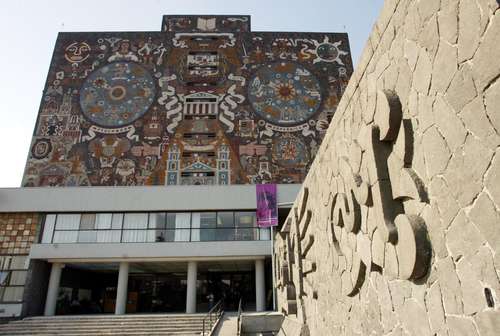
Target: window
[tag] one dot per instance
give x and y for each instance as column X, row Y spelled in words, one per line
column 225, row 226
column 68, row 222
column 87, row 222
column 157, row 223
column 148, row 227
column 116, row 221
column 4, row 278
column 12, row 278
column 245, row 223
column 132, row 224
column 103, row 221
column 48, row 230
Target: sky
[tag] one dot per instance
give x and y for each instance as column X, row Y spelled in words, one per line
column 28, row 31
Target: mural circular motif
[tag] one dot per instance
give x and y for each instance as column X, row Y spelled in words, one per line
column 117, row 94
column 284, row 93
column 289, row 151
column 41, row 148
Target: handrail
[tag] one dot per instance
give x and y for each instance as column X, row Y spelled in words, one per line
column 213, row 317
column 240, row 310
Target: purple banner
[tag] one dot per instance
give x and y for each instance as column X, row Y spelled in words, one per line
column 267, row 207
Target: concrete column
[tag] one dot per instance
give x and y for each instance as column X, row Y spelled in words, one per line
column 191, row 287
column 260, row 286
column 122, row 289
column 53, row 290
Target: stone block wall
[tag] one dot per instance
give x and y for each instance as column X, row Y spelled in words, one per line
column 397, row 229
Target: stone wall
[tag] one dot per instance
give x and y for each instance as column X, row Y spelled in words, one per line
column 397, row 230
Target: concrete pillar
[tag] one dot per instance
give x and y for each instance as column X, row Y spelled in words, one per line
column 260, row 286
column 122, row 289
column 191, row 287
column 53, row 290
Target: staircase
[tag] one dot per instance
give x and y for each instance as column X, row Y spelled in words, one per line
column 123, row 325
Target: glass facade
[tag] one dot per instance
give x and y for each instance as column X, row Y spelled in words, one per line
column 152, row 227
column 13, row 271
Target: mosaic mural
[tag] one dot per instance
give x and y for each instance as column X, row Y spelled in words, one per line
column 199, row 103
column 206, row 23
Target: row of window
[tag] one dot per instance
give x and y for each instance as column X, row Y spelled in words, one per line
column 152, row 227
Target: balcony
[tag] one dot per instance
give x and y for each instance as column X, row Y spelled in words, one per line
column 153, row 227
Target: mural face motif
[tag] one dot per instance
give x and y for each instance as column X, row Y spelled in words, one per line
column 203, row 102
column 284, row 93
column 77, row 52
column 117, row 94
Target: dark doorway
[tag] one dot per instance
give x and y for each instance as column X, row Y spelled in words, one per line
column 230, row 286
column 157, row 293
column 84, row 291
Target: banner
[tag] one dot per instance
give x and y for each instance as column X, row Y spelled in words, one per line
column 267, row 207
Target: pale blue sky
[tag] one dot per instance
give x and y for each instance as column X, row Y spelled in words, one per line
column 28, row 30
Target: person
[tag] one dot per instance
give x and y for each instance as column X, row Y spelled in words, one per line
column 210, row 298
column 75, row 306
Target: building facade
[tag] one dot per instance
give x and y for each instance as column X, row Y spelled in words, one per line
column 138, row 193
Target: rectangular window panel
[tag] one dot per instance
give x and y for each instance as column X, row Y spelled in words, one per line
column 4, row 278
column 170, row 220
column 134, row 236
column 19, row 262
column 182, row 226
column 18, row 278
column 208, row 220
column 87, row 222
column 208, row 223
column 224, row 234
column 5, row 262
column 246, row 234
column 157, row 220
column 103, row 221
column 117, row 221
column 68, row 222
column 87, row 236
column 65, row 237
column 245, row 219
column 13, row 294
column 48, row 228
column 195, row 226
column 225, row 219
column 265, row 234
column 109, row 236
column 135, row 221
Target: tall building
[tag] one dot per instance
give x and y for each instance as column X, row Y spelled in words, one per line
column 139, row 188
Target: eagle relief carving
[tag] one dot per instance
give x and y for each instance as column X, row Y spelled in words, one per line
column 364, row 213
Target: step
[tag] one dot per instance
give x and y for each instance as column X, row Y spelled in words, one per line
column 117, row 333
column 98, row 327
column 107, row 322
column 99, row 330
column 117, row 319
column 123, row 325
column 110, row 315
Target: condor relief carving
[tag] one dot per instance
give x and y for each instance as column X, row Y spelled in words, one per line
column 363, row 209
